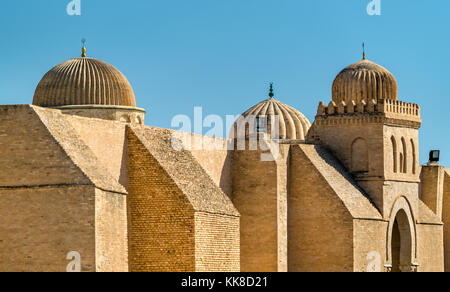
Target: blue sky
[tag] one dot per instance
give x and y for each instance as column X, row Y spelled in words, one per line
column 222, row 54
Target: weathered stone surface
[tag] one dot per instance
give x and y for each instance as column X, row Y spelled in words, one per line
column 87, row 176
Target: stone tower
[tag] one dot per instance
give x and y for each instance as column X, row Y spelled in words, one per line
column 375, row 136
column 260, row 182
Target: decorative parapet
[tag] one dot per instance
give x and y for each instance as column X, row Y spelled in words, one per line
column 382, row 106
column 391, row 109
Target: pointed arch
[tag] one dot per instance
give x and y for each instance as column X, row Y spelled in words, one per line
column 360, row 155
column 401, row 242
column 414, row 157
column 394, row 154
column 404, row 159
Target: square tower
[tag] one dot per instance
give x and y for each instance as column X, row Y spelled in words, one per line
column 377, row 142
column 373, row 134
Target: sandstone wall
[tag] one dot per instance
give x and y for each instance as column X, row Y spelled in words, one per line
column 320, row 226
column 111, row 236
column 255, row 195
column 40, row 226
column 446, row 219
column 29, row 155
column 52, row 201
column 214, row 157
column 339, row 134
column 107, row 141
column 430, row 248
column 161, row 219
column 370, row 245
column 216, row 243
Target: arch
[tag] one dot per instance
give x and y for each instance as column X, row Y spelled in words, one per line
column 404, row 159
column 401, row 162
column 414, row 157
column 394, row 154
column 360, row 155
column 402, row 238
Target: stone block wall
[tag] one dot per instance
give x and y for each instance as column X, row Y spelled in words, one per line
column 161, row 219
column 446, row 219
column 255, row 195
column 320, row 226
column 174, row 225
column 216, row 243
column 40, row 226
column 111, row 236
column 430, row 248
column 370, row 245
column 29, row 155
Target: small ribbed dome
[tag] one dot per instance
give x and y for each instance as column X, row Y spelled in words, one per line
column 84, row 81
column 293, row 125
column 364, row 80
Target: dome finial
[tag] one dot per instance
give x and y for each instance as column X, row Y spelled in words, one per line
column 83, row 48
column 364, row 51
column 271, row 94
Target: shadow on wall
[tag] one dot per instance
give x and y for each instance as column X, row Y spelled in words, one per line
column 123, row 179
column 226, row 178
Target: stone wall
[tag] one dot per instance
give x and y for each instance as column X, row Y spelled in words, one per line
column 370, row 245
column 215, row 159
column 216, row 242
column 123, row 114
column 256, row 196
column 107, row 141
column 320, row 226
column 40, row 226
column 430, row 248
column 111, row 236
column 29, row 155
column 446, row 219
column 51, row 201
column 161, row 219
column 179, row 220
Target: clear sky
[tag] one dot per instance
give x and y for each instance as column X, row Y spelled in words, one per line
column 222, row 54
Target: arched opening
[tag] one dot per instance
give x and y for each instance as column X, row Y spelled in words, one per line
column 394, row 154
column 401, row 244
column 360, row 156
column 414, row 156
column 404, row 159
column 401, row 162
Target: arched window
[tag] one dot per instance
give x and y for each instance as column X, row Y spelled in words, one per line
column 360, row 156
column 401, row 162
column 394, row 154
column 414, row 157
column 404, row 160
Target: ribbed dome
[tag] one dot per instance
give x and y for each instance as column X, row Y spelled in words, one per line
column 293, row 125
column 364, row 80
column 84, row 81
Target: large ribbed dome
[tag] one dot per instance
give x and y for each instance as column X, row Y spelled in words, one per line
column 293, row 125
column 84, row 81
column 364, row 80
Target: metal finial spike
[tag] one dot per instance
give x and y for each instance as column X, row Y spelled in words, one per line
column 364, row 51
column 271, row 94
column 83, row 48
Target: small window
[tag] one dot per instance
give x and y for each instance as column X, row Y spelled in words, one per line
column 261, row 124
